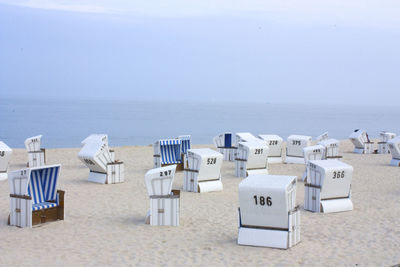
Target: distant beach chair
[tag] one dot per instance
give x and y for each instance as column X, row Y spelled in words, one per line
column 96, row 155
column 34, row 196
column 331, row 148
column 168, row 152
column 274, row 143
column 164, row 202
column 5, row 157
column 202, row 171
column 394, row 147
column 99, row 137
column 251, row 158
column 322, row 137
column 223, row 142
column 36, row 154
column 185, row 143
column 361, row 142
column 294, row 148
column 328, row 187
column 268, row 215
column 244, row 137
column 383, row 147
column 316, row 152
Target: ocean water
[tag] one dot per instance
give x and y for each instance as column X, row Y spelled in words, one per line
column 65, row 123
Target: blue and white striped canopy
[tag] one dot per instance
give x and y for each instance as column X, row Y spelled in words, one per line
column 185, row 143
column 170, row 151
column 43, row 186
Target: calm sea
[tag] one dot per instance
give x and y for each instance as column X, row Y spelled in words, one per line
column 66, row 123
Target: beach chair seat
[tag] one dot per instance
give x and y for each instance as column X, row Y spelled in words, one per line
column 36, row 154
column 394, row 148
column 5, row 157
column 274, row 143
column 316, row 152
column 167, row 152
column 268, row 215
column 202, row 171
column 361, row 142
column 251, row 158
column 103, row 168
column 223, row 143
column 34, row 196
column 383, row 147
column 328, row 187
column 164, row 202
column 294, row 148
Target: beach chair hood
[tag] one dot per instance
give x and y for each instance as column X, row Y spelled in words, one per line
column 32, row 144
column 5, row 156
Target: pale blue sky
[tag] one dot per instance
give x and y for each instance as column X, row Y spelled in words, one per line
column 268, row 51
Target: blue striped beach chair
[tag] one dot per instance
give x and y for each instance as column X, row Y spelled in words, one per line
column 34, row 196
column 185, row 143
column 167, row 152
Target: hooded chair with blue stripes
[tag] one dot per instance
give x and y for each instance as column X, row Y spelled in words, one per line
column 171, row 151
column 34, row 197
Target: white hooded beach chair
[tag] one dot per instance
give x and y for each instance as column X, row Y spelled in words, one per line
column 36, row 154
column 316, row 152
column 168, row 152
column 328, row 187
column 294, row 148
column 268, row 215
column 274, row 143
column 5, row 157
column 34, row 196
column 223, row 142
column 164, row 202
column 394, row 147
column 331, row 148
column 382, row 144
column 361, row 142
column 251, row 158
column 99, row 137
column 322, row 137
column 202, row 171
column 244, row 137
column 102, row 169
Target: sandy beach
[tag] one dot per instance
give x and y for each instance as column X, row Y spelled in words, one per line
column 104, row 224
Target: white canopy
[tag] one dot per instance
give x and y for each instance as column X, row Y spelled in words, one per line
column 207, row 162
column 32, row 144
column 94, row 138
column 5, row 156
column 95, row 155
column 159, row 180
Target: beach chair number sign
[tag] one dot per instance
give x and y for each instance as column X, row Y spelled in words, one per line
column 273, row 142
column 258, row 151
column 211, row 161
column 2, row 153
column 263, row 200
column 338, row 174
column 165, row 173
column 296, row 142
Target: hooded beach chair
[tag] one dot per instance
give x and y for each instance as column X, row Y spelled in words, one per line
column 251, row 158
column 102, row 169
column 167, row 152
column 164, row 202
column 202, row 172
column 331, row 148
column 34, row 196
column 394, row 147
column 328, row 187
column 322, row 137
column 36, row 154
column 274, row 143
column 383, row 143
column 5, row 156
column 316, row 152
column 294, row 148
column 361, row 142
column 223, row 142
column 99, row 137
column 268, row 215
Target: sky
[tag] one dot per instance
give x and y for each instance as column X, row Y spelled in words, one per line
column 337, row 52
